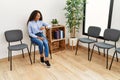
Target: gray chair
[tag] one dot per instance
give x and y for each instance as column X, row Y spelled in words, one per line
column 35, row 49
column 109, row 35
column 117, row 50
column 92, row 32
column 14, row 36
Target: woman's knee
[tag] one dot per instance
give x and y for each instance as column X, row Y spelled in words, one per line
column 37, row 41
column 45, row 41
column 40, row 43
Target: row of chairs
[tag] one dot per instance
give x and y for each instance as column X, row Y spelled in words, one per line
column 14, row 36
column 109, row 35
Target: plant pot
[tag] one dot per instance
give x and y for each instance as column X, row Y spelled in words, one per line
column 73, row 41
column 55, row 24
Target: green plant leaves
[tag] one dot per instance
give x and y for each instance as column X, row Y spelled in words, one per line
column 74, row 13
column 54, row 21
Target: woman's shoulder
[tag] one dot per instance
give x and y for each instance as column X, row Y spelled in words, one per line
column 40, row 21
column 30, row 22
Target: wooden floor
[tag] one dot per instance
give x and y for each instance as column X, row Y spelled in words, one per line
column 65, row 66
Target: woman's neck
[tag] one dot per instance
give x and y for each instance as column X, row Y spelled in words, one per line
column 35, row 20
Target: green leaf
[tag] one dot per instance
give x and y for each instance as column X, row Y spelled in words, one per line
column 74, row 13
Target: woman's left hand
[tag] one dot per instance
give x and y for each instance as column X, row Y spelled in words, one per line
column 42, row 28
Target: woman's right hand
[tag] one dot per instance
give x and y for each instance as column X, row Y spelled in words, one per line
column 41, row 38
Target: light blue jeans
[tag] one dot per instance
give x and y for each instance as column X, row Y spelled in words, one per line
column 41, row 44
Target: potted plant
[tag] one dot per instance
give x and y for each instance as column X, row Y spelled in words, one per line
column 54, row 21
column 74, row 15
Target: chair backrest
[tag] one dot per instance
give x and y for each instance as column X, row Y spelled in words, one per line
column 13, row 35
column 94, row 31
column 112, row 34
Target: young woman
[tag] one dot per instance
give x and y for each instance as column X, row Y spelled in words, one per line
column 35, row 28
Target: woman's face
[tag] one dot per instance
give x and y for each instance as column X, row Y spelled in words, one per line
column 37, row 17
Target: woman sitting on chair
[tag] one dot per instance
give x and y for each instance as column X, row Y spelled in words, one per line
column 35, row 28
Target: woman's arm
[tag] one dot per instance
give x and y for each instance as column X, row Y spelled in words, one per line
column 46, row 25
column 33, row 35
column 30, row 31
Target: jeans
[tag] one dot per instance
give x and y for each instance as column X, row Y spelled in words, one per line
column 41, row 44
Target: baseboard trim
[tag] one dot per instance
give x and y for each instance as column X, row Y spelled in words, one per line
column 26, row 54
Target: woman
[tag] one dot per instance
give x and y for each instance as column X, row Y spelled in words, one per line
column 35, row 28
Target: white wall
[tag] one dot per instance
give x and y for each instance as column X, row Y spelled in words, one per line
column 14, row 15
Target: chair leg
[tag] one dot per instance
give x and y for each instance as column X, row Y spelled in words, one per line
column 50, row 51
column 77, row 47
column 98, row 50
column 104, row 52
column 10, row 60
column 92, row 52
column 117, row 57
column 30, row 48
column 29, row 55
column 50, row 54
column 88, row 50
column 23, row 53
column 8, row 55
column 112, row 60
column 34, row 55
column 107, row 60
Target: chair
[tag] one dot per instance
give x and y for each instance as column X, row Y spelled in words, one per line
column 117, row 50
column 110, row 35
column 35, row 48
column 92, row 32
column 14, row 36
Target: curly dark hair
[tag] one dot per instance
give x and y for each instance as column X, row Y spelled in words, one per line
column 33, row 15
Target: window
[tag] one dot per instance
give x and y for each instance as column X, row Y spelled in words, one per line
column 97, row 13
